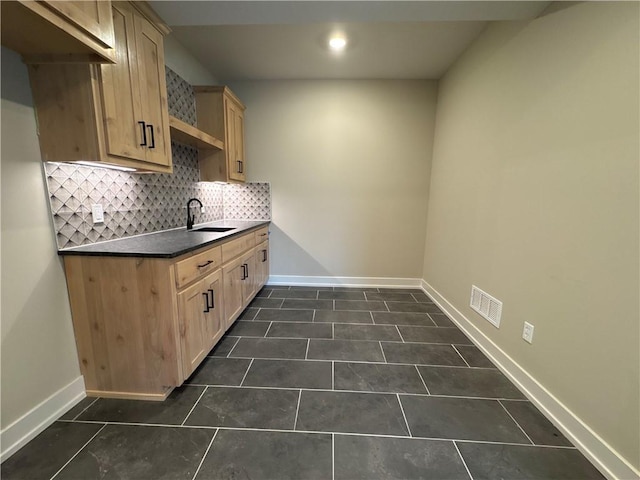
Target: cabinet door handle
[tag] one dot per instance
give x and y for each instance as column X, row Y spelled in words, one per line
column 206, row 302
column 213, row 305
column 153, row 138
column 144, row 134
column 205, row 264
column 264, row 255
column 240, row 166
column 245, row 271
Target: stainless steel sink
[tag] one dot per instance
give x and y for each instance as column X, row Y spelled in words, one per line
column 213, row 229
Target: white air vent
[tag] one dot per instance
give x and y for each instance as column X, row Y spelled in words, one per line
column 487, row 306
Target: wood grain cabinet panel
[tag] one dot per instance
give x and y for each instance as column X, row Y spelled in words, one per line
column 114, row 114
column 200, row 320
column 221, row 114
column 262, row 264
column 59, row 31
column 92, row 17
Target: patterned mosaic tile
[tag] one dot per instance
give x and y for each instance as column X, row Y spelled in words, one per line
column 249, row 201
column 182, row 100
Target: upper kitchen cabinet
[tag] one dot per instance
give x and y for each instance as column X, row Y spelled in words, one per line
column 59, row 31
column 114, row 114
column 221, row 114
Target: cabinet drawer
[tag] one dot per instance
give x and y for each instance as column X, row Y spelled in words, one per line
column 262, row 235
column 192, row 268
column 236, row 247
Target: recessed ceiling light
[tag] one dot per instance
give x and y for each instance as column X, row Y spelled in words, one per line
column 337, row 43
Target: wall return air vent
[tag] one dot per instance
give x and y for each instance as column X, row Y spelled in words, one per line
column 488, row 307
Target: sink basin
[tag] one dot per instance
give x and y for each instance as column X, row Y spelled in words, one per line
column 213, row 229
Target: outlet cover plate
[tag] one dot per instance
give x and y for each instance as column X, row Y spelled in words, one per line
column 527, row 332
column 97, row 213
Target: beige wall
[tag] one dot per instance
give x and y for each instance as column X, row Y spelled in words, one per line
column 180, row 60
column 534, row 198
column 38, row 348
column 348, row 163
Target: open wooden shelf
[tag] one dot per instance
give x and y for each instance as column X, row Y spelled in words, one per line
column 182, row 132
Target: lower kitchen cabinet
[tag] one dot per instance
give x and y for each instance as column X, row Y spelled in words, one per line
column 261, row 254
column 233, row 276
column 143, row 325
column 200, row 320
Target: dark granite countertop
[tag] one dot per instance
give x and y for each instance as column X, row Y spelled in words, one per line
column 165, row 244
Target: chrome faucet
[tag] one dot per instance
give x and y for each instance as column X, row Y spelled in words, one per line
column 190, row 218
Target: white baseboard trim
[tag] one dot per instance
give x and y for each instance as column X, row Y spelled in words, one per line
column 27, row 427
column 600, row 453
column 308, row 281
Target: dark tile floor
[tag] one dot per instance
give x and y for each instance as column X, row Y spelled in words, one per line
column 318, row 383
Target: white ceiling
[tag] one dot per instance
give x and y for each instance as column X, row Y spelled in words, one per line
column 242, row 40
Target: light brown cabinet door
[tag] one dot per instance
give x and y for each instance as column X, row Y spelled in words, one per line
column 249, row 277
column 120, row 92
column 91, row 16
column 234, row 121
column 232, row 276
column 262, row 264
column 215, row 327
column 153, row 91
column 192, row 310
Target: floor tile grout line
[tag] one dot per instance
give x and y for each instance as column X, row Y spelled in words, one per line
column 382, row 350
column 247, row 372
column 194, row 405
column 268, row 328
column 368, row 392
column 86, row 408
column 333, row 331
column 423, row 382
column 403, row 415
column 463, row 462
column 355, row 339
column 373, row 320
column 435, row 365
column 386, row 306
column 333, row 375
column 463, row 359
column 318, row 432
column 333, row 456
column 306, row 353
column 516, row 422
column 206, row 452
column 401, row 337
column 313, row 317
column 295, row 422
column 233, row 348
column 78, row 452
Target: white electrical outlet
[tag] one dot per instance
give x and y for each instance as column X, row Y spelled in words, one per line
column 527, row 332
column 201, row 209
column 97, row 214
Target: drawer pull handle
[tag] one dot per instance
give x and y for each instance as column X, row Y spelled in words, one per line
column 206, row 264
column 206, row 302
column 210, row 292
column 144, row 134
column 153, row 139
column 263, row 234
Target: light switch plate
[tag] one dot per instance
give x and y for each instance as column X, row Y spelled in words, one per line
column 97, row 213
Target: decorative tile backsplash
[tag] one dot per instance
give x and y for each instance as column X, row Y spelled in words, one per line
column 181, row 98
column 136, row 203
